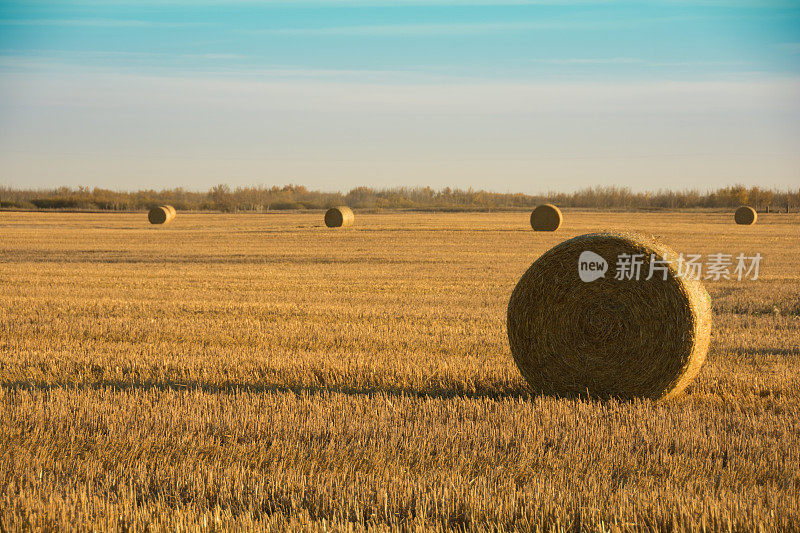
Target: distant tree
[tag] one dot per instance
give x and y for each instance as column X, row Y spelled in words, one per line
column 221, row 198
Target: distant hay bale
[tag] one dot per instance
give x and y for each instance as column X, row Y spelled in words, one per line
column 337, row 217
column 745, row 216
column 162, row 214
column 579, row 333
column 546, row 217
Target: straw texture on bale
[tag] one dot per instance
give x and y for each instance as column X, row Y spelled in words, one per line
column 162, row 214
column 546, row 217
column 609, row 337
column 337, row 217
column 745, row 215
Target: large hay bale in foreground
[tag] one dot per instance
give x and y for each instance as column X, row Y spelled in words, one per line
column 579, row 333
column 745, row 216
column 337, row 217
column 162, row 214
column 546, row 217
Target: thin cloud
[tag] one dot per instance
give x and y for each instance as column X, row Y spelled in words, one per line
column 409, row 29
column 99, row 22
column 249, row 68
column 432, row 3
column 466, row 28
column 339, row 3
column 630, row 61
column 287, row 90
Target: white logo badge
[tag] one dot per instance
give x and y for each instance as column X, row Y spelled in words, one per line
column 591, row 266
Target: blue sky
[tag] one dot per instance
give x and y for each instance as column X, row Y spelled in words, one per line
column 516, row 96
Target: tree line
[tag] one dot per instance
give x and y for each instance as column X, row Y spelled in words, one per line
column 262, row 198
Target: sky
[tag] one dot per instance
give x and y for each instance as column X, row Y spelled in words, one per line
column 509, row 96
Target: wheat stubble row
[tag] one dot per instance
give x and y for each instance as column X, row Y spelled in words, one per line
column 263, row 371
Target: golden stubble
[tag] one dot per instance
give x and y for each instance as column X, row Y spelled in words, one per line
column 261, row 371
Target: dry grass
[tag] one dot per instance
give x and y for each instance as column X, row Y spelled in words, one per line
column 259, row 371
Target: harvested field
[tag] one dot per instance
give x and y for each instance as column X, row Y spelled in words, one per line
column 252, row 371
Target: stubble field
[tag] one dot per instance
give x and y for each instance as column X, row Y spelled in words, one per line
column 265, row 372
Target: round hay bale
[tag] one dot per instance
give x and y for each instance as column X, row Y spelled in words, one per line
column 745, row 216
column 546, row 217
column 162, row 214
column 577, row 330
column 338, row 217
